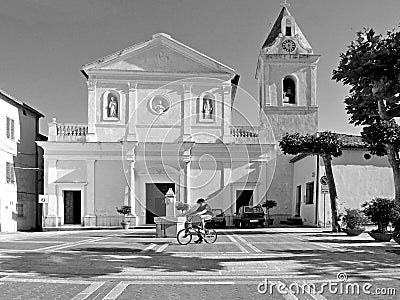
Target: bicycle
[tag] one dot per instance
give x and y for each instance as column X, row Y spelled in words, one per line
column 185, row 235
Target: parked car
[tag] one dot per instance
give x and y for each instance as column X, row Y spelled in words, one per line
column 218, row 219
column 249, row 216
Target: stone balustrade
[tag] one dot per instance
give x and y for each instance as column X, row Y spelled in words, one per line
column 245, row 134
column 67, row 132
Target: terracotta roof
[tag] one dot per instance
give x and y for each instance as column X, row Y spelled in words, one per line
column 351, row 141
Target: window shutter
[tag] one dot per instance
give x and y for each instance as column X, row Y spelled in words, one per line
column 8, row 175
column 12, row 129
column 8, row 128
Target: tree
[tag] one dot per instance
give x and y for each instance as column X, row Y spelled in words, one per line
column 325, row 144
column 371, row 67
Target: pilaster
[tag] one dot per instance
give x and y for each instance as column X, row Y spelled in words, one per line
column 92, row 111
column 187, row 112
column 132, row 117
column 89, row 217
column 226, row 112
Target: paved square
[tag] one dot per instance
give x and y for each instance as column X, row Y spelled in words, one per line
column 131, row 264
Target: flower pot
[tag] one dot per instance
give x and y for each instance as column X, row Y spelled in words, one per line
column 380, row 237
column 269, row 222
column 353, row 232
column 125, row 224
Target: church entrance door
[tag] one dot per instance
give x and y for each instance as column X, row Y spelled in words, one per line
column 72, row 207
column 155, row 204
column 243, row 198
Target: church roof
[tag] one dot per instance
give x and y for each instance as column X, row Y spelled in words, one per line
column 157, row 55
column 276, row 29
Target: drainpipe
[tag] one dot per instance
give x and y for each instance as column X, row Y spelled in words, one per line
column 317, row 195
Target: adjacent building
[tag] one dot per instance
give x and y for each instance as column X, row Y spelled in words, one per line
column 21, row 162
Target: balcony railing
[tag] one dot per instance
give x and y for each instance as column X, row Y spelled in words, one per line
column 67, row 132
column 245, row 134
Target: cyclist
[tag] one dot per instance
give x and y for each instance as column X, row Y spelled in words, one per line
column 204, row 211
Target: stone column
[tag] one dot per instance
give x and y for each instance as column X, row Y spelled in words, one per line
column 51, row 218
column 133, row 103
column 187, row 160
column 92, row 111
column 89, row 218
column 187, row 112
column 132, row 191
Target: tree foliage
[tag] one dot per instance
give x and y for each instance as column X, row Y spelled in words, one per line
column 325, row 143
column 377, row 135
column 371, row 67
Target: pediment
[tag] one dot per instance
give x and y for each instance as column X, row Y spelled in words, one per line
column 162, row 54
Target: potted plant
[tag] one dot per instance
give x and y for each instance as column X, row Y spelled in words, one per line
column 125, row 210
column 382, row 212
column 396, row 233
column 353, row 221
column 268, row 205
column 182, row 207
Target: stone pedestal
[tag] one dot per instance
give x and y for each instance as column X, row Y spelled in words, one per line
column 89, row 221
column 51, row 221
column 169, row 226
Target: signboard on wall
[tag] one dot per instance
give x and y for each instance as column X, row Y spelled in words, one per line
column 43, row 198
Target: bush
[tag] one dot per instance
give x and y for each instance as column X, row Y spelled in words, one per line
column 124, row 210
column 182, row 206
column 354, row 219
column 382, row 212
column 268, row 205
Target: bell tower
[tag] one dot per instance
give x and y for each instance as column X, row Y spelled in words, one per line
column 286, row 74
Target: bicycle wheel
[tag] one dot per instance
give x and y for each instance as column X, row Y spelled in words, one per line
column 184, row 237
column 210, row 236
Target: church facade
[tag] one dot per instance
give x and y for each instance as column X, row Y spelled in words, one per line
column 159, row 118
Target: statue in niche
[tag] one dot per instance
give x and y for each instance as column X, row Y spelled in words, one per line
column 112, row 106
column 207, row 108
column 160, row 105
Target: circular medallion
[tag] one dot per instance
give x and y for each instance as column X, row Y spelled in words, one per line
column 160, row 104
column 288, row 45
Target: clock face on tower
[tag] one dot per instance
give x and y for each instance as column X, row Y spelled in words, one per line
column 288, row 45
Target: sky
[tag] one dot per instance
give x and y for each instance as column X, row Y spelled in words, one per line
column 44, row 43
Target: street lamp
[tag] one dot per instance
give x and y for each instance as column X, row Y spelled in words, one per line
column 170, row 198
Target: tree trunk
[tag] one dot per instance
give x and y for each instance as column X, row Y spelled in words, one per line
column 332, row 192
column 394, row 161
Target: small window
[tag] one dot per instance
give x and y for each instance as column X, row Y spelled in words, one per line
column 20, row 210
column 10, row 129
column 10, row 176
column 310, row 192
column 289, row 91
column 288, row 28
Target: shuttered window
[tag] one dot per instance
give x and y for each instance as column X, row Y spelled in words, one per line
column 10, row 129
column 20, row 210
column 10, row 176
